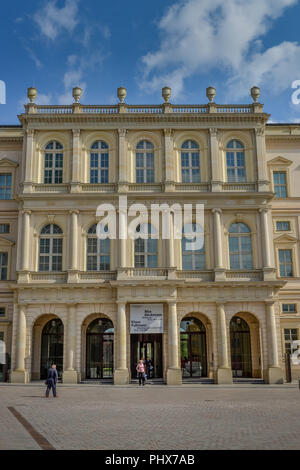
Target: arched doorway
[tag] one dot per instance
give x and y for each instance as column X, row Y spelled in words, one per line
column 100, row 349
column 52, row 347
column 240, row 342
column 193, row 348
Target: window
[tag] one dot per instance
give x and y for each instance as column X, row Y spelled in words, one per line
column 51, row 242
column 240, row 246
column 99, row 162
column 235, row 158
column 290, row 335
column 53, row 163
column 289, row 308
column 2, row 311
column 192, row 259
column 1, row 335
column 285, row 263
column 4, row 228
column 280, row 183
column 5, row 186
column 190, row 162
column 145, row 250
column 98, row 251
column 283, row 226
column 144, row 162
column 3, row 266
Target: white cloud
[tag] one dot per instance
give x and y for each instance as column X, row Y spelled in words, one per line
column 32, row 56
column 205, row 35
column 53, row 20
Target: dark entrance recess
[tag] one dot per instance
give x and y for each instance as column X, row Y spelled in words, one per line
column 52, row 348
column 100, row 349
column 143, row 346
column 193, row 348
column 240, row 343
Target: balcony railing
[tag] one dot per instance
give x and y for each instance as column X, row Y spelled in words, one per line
column 199, row 187
column 241, row 187
column 195, row 274
column 239, row 275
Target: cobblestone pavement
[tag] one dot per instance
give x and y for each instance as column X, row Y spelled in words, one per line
column 153, row 417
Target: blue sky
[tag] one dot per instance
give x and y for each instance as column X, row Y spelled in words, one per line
column 144, row 45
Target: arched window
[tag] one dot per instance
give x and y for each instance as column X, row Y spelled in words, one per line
column 235, row 158
column 145, row 250
column 190, row 162
column 50, row 253
column 53, row 163
column 193, row 258
column 144, row 162
column 98, row 251
column 193, row 347
column 99, row 162
column 240, row 246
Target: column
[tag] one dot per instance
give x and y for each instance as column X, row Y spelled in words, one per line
column 224, row 373
column 169, row 160
column 70, row 375
column 121, row 375
column 75, row 161
column 73, row 270
column 20, row 374
column 24, row 264
column 123, row 176
column 275, row 374
column 219, row 269
column 214, row 158
column 269, row 270
column 171, row 250
column 174, row 371
column 262, row 175
column 29, row 160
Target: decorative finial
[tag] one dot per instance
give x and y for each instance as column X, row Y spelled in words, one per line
column 77, row 92
column 255, row 93
column 32, row 94
column 166, row 93
column 210, row 93
column 121, row 93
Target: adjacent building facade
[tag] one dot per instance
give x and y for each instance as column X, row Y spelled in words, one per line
column 229, row 309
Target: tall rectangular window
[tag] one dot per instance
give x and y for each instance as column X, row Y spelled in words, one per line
column 285, row 263
column 290, row 335
column 280, row 183
column 4, row 228
column 2, row 311
column 53, row 172
column 5, row 186
column 3, row 266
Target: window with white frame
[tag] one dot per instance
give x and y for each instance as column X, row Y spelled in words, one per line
column 99, row 162
column 190, row 162
column 235, row 159
column 53, row 163
column 280, row 183
column 4, row 228
column 5, row 186
column 289, row 308
column 240, row 246
column 283, row 226
column 192, row 259
column 3, row 265
column 144, row 161
column 290, row 335
column 50, row 250
column 146, row 250
column 285, row 263
column 98, row 251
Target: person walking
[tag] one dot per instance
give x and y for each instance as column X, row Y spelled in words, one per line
column 51, row 381
column 141, row 370
column 149, row 367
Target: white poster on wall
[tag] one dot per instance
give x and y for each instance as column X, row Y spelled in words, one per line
column 146, row 318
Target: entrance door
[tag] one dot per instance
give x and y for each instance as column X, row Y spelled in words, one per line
column 240, row 343
column 143, row 346
column 100, row 349
column 52, row 347
column 193, row 348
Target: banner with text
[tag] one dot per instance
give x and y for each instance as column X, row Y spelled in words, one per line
column 146, row 318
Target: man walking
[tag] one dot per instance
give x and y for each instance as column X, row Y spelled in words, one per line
column 51, row 381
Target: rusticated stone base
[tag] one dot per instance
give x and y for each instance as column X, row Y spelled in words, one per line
column 275, row 375
column 19, row 377
column 70, row 377
column 224, row 376
column 121, row 377
column 174, row 376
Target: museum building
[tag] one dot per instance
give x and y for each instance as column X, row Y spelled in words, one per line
column 224, row 312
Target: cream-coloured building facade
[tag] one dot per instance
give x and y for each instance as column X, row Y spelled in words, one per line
column 233, row 311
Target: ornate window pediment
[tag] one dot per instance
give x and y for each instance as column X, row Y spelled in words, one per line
column 285, row 238
column 280, row 161
column 7, row 163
